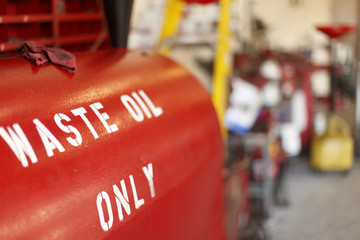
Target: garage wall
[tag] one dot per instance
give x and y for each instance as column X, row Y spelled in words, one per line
column 291, row 23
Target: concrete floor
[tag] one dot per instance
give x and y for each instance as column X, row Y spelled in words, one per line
column 322, row 206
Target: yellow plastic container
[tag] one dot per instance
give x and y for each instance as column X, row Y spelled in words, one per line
column 333, row 151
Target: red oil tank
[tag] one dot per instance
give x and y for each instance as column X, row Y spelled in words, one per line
column 128, row 147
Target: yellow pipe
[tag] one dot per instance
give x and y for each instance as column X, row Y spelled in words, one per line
column 172, row 17
column 222, row 64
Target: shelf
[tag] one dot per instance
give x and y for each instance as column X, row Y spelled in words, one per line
column 7, row 46
column 25, row 18
column 79, row 23
column 78, row 38
column 76, row 17
column 31, row 18
column 68, row 40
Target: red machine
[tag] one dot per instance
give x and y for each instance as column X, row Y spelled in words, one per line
column 128, row 147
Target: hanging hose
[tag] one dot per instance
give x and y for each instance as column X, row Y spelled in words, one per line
column 118, row 16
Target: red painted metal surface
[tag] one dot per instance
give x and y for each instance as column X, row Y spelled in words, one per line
column 336, row 30
column 306, row 134
column 168, row 155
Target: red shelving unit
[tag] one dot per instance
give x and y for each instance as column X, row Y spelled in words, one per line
column 73, row 25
